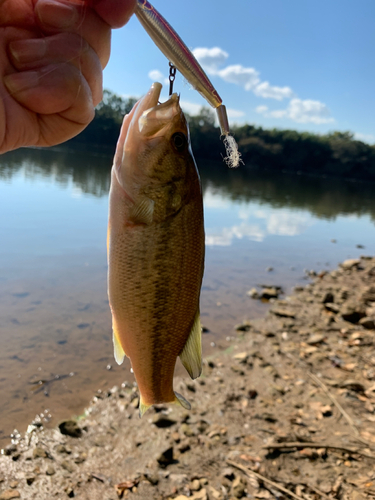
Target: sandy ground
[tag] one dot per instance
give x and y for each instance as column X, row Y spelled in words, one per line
column 288, row 411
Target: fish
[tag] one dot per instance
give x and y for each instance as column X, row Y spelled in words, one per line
column 156, row 247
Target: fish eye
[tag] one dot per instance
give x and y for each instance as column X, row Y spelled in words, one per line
column 179, row 140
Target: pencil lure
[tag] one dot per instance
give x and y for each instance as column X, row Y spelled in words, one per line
column 176, row 51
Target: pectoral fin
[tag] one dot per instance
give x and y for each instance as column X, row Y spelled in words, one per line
column 191, row 355
column 142, row 211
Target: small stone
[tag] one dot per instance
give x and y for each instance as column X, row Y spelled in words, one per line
column 70, row 428
column 8, row 450
column 241, row 357
column 314, row 339
column 368, row 295
column 176, row 437
column 166, row 457
column 238, row 488
column 228, row 474
column 80, row 457
column 350, row 264
column 184, row 446
column 237, row 369
column 13, row 484
column 60, row 448
column 352, row 312
column 270, row 293
column 135, row 403
column 178, row 479
column 152, row 479
column 200, row 495
column 187, row 430
column 195, row 485
column 39, row 452
column 9, row 495
column 283, row 313
column 243, row 327
column 353, row 385
column 253, row 293
column 330, row 306
column 368, row 322
column 50, row 470
column 67, row 466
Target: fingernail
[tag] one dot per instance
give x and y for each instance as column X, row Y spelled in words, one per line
column 21, row 81
column 57, row 15
column 28, row 50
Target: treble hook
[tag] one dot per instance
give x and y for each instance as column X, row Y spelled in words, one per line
column 172, row 76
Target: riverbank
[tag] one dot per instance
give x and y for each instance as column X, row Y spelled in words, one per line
column 291, row 404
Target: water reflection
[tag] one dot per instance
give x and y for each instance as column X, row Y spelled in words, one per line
column 323, row 197
column 89, row 173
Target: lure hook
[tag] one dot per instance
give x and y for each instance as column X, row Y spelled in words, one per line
column 172, row 76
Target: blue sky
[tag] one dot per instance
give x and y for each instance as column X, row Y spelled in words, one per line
column 297, row 64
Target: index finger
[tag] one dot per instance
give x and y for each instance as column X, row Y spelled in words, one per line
column 114, row 12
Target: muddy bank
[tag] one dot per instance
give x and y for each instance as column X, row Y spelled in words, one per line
column 288, row 409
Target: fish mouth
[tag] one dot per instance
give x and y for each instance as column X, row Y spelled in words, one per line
column 154, row 117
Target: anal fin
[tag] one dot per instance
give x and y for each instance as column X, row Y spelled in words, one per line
column 191, row 355
column 142, row 407
column 119, row 352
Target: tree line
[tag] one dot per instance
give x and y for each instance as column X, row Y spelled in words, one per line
column 336, row 153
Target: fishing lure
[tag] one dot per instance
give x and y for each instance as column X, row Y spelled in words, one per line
column 170, row 43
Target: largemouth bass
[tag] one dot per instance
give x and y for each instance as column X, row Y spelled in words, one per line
column 156, row 248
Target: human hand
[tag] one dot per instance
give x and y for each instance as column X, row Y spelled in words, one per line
column 52, row 53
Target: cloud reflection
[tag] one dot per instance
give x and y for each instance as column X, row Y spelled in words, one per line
column 250, row 223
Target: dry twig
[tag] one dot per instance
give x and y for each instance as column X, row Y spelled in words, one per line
column 339, row 407
column 300, row 444
column 250, row 472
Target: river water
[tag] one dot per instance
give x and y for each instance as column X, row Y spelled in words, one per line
column 55, row 324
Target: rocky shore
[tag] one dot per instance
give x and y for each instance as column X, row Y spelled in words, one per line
column 288, row 411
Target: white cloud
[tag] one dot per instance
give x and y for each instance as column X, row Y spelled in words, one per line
column 157, row 76
column 238, row 74
column 190, row 107
column 262, row 110
column 210, row 59
column 194, row 109
column 235, row 113
column 300, row 111
column 266, row 90
column 369, row 138
column 309, row 111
